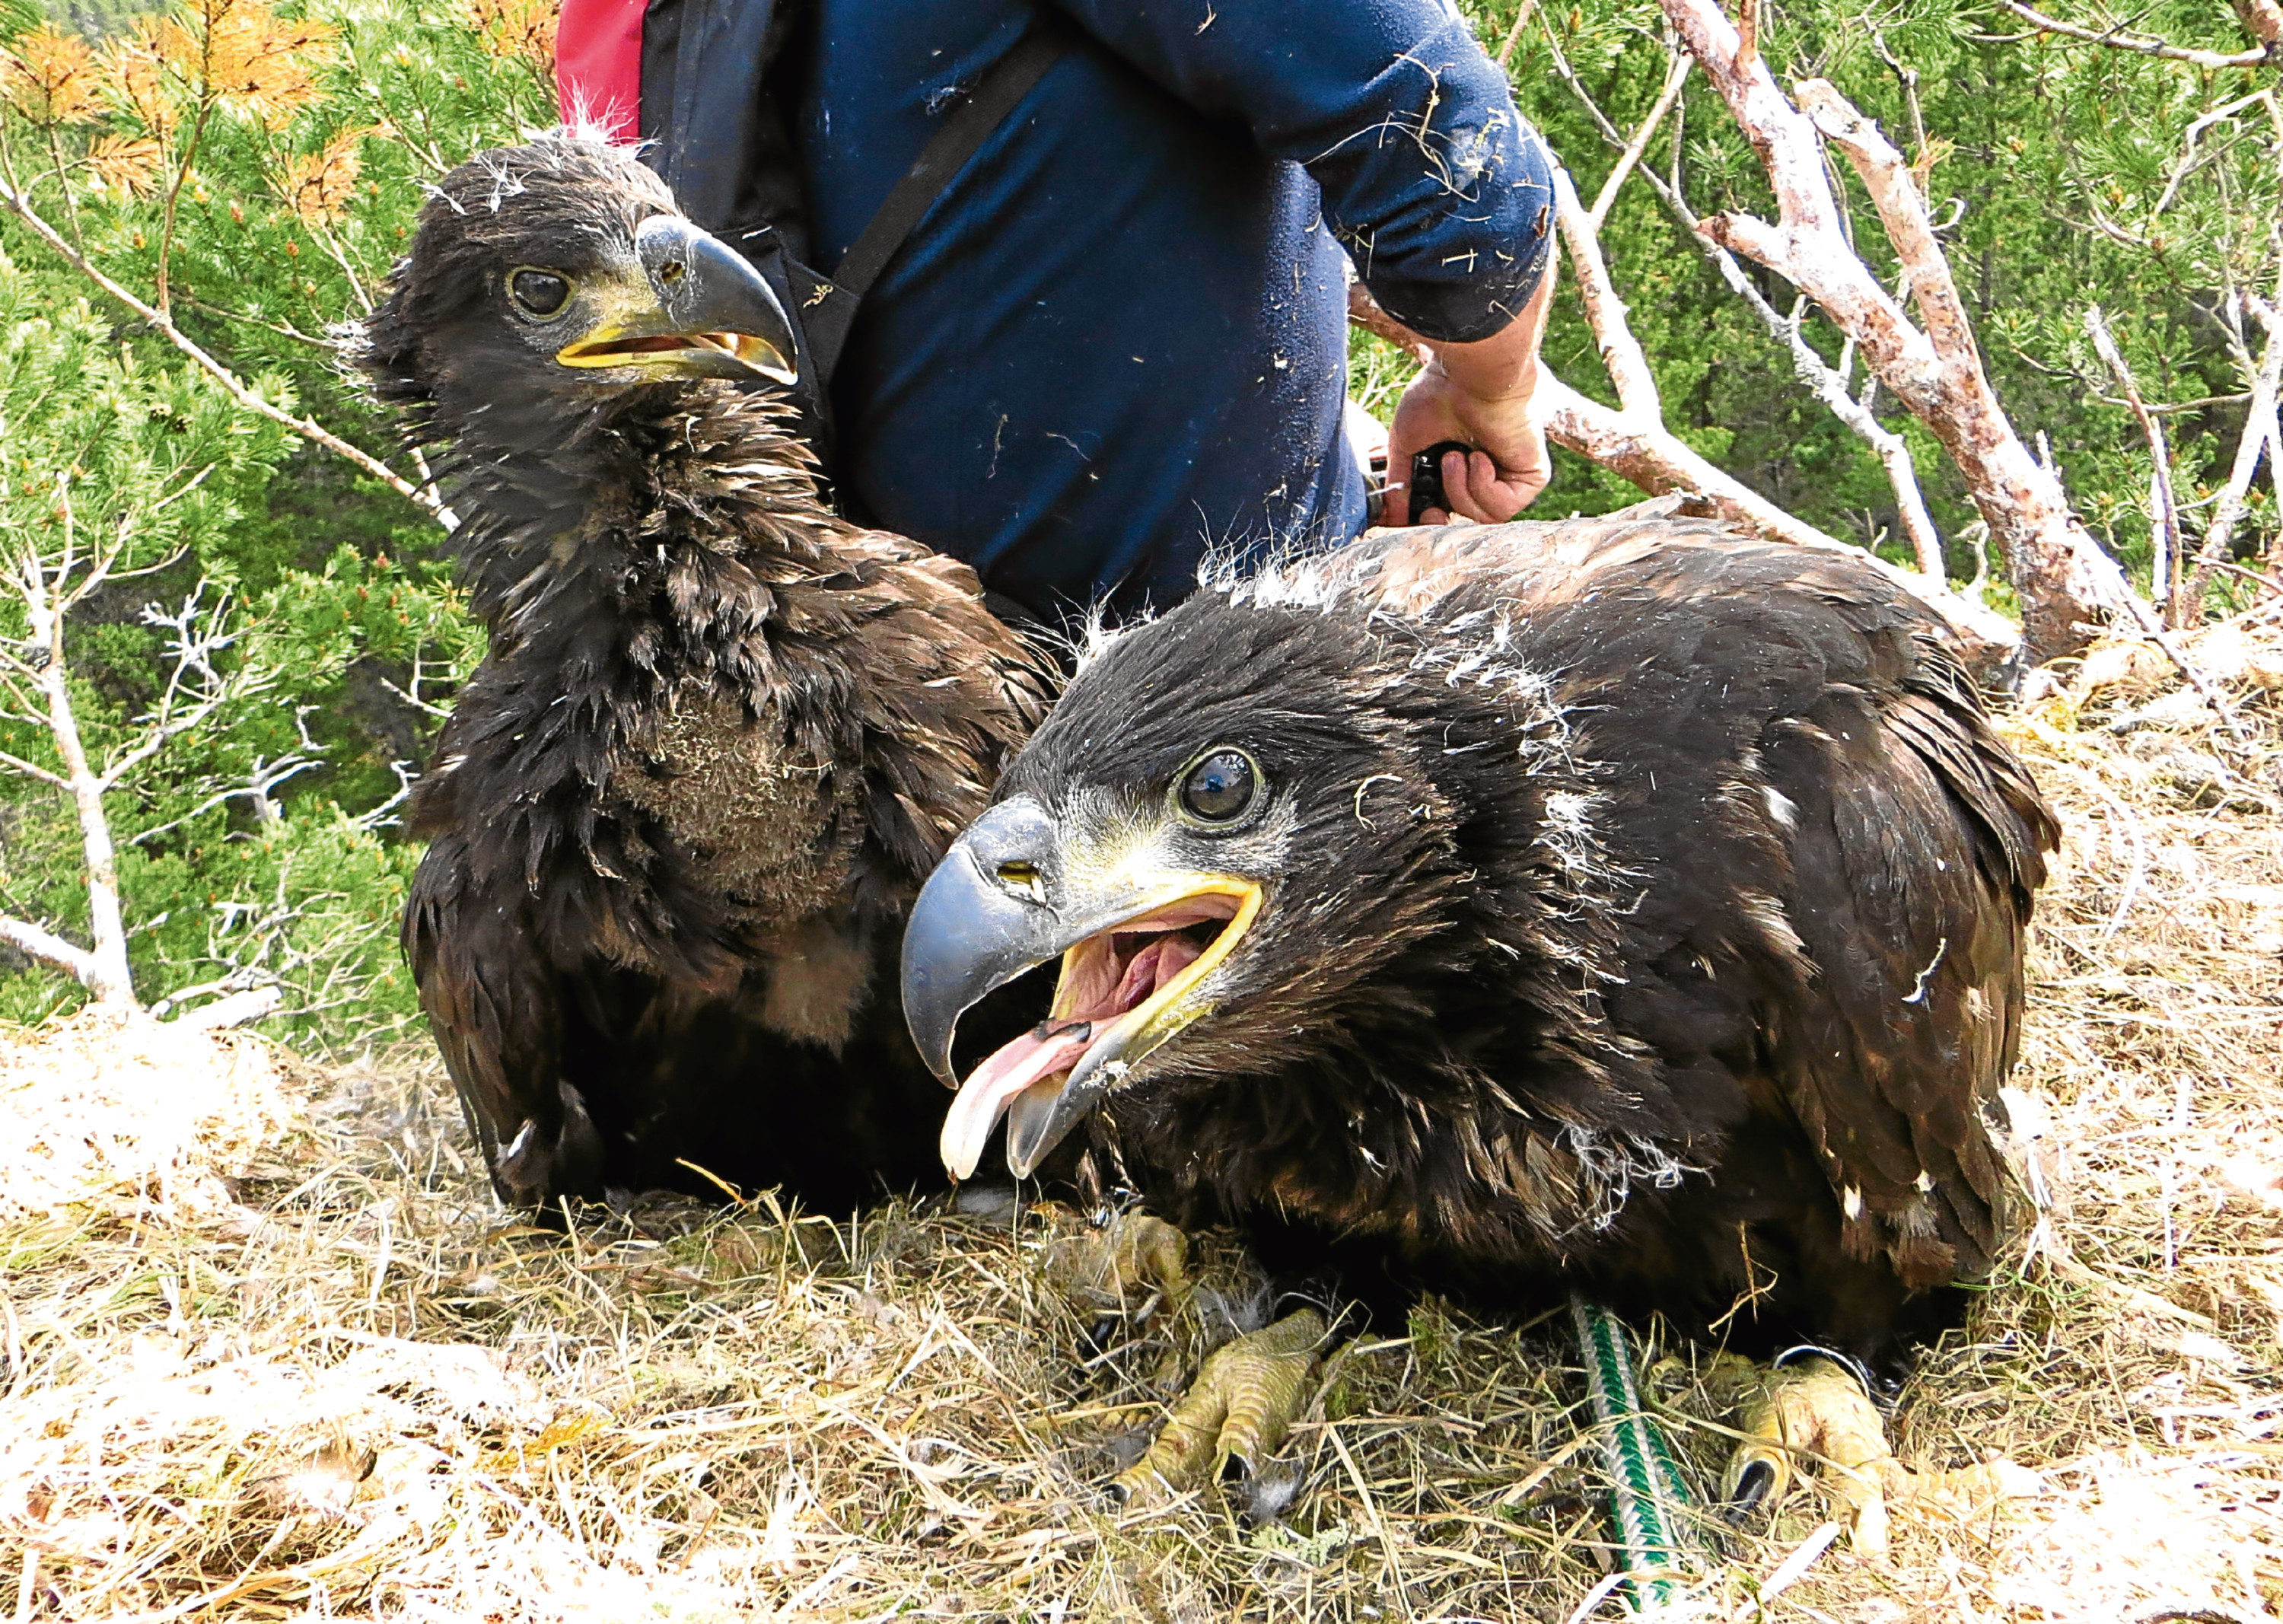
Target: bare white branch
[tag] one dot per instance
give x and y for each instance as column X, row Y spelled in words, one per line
column 1676, row 74
column 2163, row 500
column 2262, row 16
column 2066, row 583
column 50, row 950
column 1828, row 384
column 2260, row 434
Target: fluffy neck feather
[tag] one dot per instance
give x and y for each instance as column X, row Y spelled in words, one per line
column 630, row 482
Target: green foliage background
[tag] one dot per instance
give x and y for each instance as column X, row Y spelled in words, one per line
column 2049, row 158
column 336, row 581
column 2059, row 168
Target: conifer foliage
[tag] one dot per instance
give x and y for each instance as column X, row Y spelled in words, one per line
column 225, row 630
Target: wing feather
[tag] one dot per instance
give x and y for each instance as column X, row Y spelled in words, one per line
column 493, row 1004
column 1918, row 843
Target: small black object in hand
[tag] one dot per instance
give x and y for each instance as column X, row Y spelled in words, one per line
column 1427, row 478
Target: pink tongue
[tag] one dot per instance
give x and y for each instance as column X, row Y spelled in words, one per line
column 1034, row 1061
column 993, row 1087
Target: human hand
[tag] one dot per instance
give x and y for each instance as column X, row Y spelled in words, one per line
column 1491, row 484
column 1481, row 394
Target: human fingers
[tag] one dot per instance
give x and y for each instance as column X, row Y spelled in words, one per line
column 1489, row 491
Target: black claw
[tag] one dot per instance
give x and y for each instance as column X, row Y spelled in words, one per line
column 1753, row 1486
column 1102, row 1335
column 1235, row 1470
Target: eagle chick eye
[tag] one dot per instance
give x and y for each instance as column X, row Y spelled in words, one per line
column 1221, row 788
column 538, row 292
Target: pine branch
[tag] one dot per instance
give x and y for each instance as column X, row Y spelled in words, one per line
column 309, row 428
column 2264, row 18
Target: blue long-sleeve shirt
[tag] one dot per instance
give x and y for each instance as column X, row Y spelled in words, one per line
column 1119, row 339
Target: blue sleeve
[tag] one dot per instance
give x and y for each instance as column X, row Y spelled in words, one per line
column 1442, row 196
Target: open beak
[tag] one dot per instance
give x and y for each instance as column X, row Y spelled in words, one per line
column 1137, row 943
column 705, row 312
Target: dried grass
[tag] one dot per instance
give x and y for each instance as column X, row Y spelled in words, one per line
column 271, row 1351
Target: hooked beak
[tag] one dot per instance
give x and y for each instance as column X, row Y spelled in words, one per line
column 705, row 313
column 1136, row 944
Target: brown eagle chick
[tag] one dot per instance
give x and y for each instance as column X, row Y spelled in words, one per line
column 682, row 806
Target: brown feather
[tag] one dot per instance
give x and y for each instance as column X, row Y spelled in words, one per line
column 720, row 737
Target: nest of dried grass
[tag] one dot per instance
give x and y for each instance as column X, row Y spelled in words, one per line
column 266, row 1358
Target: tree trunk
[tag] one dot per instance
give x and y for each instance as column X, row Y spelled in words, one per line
column 105, row 973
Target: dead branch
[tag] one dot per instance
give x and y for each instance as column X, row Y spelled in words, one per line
column 197, row 687
column 1513, row 35
column 2271, row 317
column 1828, row 384
column 20, row 205
column 2162, row 408
column 2195, row 132
column 1676, row 74
column 2163, row 501
column 384, row 815
column 2259, row 434
column 2064, row 581
column 265, row 776
column 50, row 950
column 103, row 970
column 1605, row 312
column 1651, row 456
column 234, row 1009
column 2263, row 18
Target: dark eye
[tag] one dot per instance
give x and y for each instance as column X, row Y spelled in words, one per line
column 540, row 292
column 1221, row 787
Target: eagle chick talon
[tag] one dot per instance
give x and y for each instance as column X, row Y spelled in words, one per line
column 1123, row 1276
column 1234, row 1417
column 1817, row 1409
column 1753, row 1482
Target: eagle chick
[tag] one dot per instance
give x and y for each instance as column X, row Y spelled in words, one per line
column 682, row 806
column 1624, row 906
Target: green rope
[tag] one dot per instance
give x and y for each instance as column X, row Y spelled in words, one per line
column 1648, row 1494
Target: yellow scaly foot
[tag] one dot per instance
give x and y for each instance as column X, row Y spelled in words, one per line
column 1236, row 1413
column 1815, row 1409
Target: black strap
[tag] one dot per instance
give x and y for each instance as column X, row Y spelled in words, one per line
column 1003, row 84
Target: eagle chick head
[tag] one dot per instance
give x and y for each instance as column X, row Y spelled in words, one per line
column 554, row 285
column 1245, row 830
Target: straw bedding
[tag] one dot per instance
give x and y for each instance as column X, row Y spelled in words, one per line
column 270, row 1350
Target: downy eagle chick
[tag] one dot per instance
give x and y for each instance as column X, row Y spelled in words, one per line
column 682, row 807
column 1626, row 906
